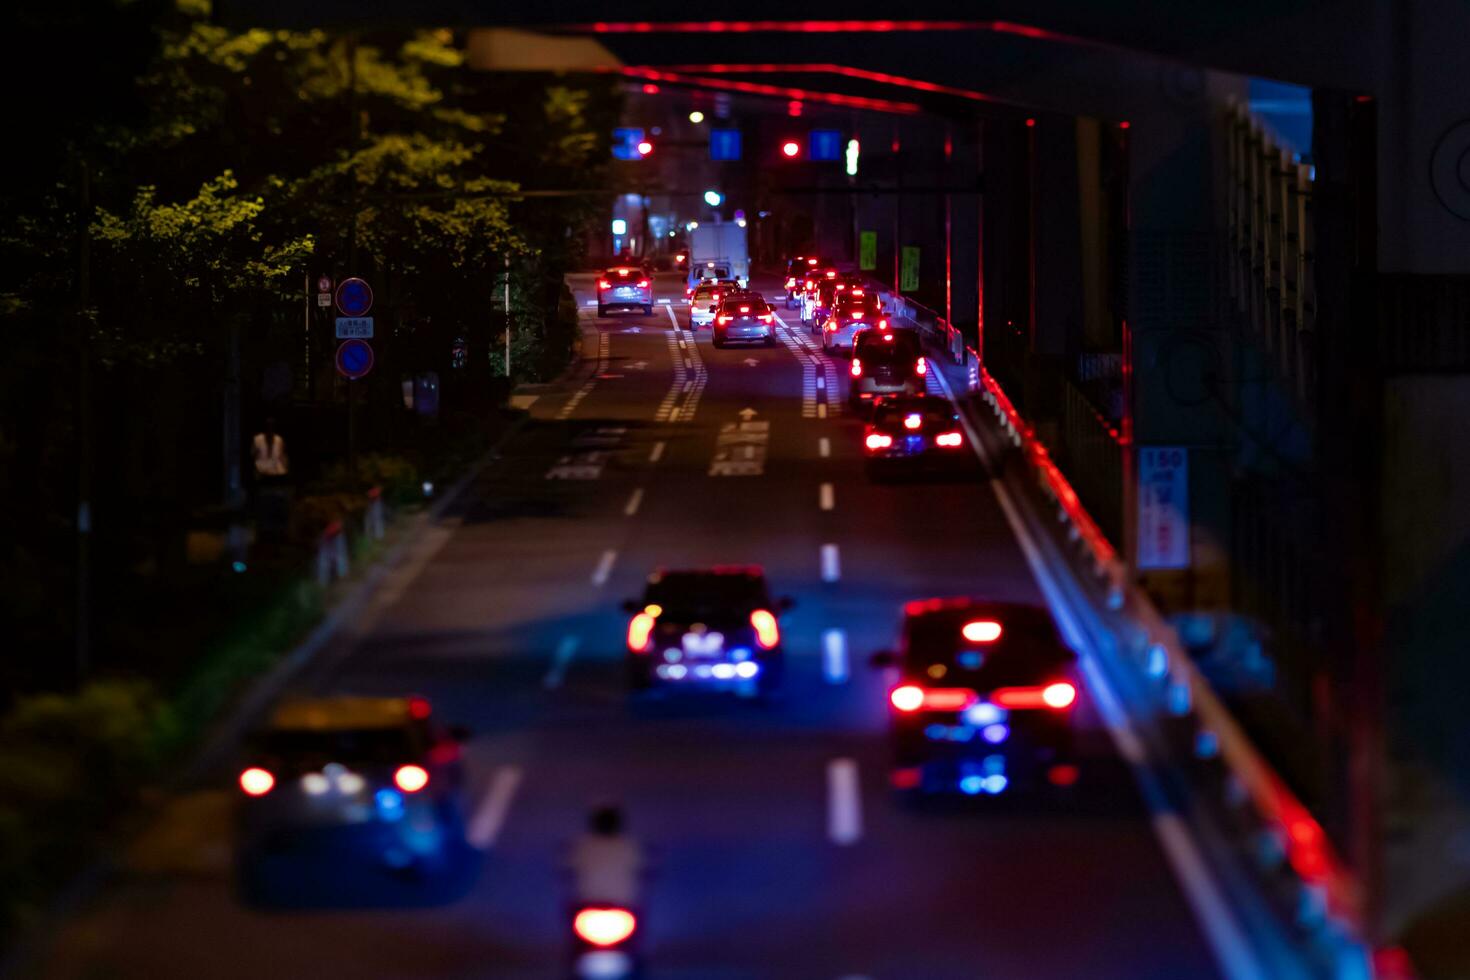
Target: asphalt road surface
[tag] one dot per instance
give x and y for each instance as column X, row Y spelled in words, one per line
column 772, row 861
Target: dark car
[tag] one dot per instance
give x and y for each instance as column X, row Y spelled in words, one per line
column 625, row 287
column 984, row 699
column 885, row 362
column 857, row 308
column 908, row 432
column 818, row 280
column 714, row 627
column 797, row 268
column 376, row 777
column 744, row 316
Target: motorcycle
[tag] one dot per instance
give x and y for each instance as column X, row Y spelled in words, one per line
column 604, row 943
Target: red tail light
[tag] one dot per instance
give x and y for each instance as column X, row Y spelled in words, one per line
column 766, row 317
column 725, row 319
column 913, row 421
column 419, row 708
column 790, row 283
column 911, row 697
column 857, row 292
column 256, row 781
column 857, row 368
column 642, row 283
column 767, row 632
column 882, row 324
column 981, row 631
column 922, row 367
column 831, row 327
column 640, row 633
column 877, row 440
column 948, row 440
column 856, row 316
column 811, row 261
column 1055, row 696
column 831, row 274
column 603, row 284
column 411, row 778
column 679, row 257
column 604, row 927
column 744, row 309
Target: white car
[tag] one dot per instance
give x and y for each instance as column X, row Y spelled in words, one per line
column 706, row 299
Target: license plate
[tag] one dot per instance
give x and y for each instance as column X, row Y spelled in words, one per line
column 915, row 443
column 703, row 644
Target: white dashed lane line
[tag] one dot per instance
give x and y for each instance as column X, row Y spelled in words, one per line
column 489, row 816
column 604, row 568
column 634, row 501
column 834, row 656
column 831, row 563
column 844, row 806
column 559, row 663
column 826, row 497
column 824, row 447
column 657, row 453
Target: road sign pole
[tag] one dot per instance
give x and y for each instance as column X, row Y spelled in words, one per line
column 351, row 433
column 507, row 317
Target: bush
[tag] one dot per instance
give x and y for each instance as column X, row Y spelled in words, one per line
column 397, row 475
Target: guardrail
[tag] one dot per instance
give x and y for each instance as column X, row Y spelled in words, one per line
column 1295, row 864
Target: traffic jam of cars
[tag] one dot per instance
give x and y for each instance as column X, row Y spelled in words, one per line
column 980, row 694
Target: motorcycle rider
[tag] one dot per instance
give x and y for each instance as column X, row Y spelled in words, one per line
column 607, row 865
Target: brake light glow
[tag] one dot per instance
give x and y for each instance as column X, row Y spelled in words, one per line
column 1056, row 696
column 830, row 327
column 811, row 261
column 605, row 926
column 766, row 317
column 913, row 421
column 857, row 368
column 640, row 632
column 981, row 631
column 256, row 781
column 856, row 316
column 419, row 708
column 948, row 440
column 921, row 366
column 744, row 309
column 888, row 337
column 882, row 324
column 790, row 283
column 642, row 283
column 831, row 274
column 767, row 632
column 725, row 319
column 603, row 284
column 623, row 271
column 877, row 440
column 411, row 778
column 907, row 698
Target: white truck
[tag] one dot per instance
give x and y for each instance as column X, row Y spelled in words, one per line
column 718, row 251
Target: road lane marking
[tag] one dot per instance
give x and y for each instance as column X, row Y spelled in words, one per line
column 831, row 563
column 657, row 453
column 559, row 662
column 603, row 354
column 490, row 815
column 826, row 497
column 1232, row 951
column 740, row 449
column 821, row 410
column 604, row 567
column 824, row 447
column 821, row 381
column 844, row 807
column 834, row 655
column 631, row 507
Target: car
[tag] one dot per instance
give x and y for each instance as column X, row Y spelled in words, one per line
column 818, row 289
column 984, row 700
column 376, row 776
column 856, row 309
column 625, row 287
column 796, row 271
column 705, row 298
column 909, row 432
column 706, row 627
column 885, row 362
column 744, row 316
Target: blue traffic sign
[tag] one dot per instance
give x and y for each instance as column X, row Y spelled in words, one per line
column 724, row 144
column 625, row 143
column 825, row 144
column 354, row 297
column 354, row 359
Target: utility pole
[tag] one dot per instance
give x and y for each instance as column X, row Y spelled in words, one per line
column 507, row 316
column 356, row 136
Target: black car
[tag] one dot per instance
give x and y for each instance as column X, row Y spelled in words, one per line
column 984, row 699
column 714, row 627
column 744, row 316
column 885, row 362
column 908, row 432
column 374, row 777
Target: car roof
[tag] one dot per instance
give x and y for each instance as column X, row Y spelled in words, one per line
column 344, row 712
column 917, row 403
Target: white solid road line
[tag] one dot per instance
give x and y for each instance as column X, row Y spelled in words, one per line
column 834, row 655
column 604, row 568
column 559, row 663
column 844, row 806
column 824, row 447
column 632, row 506
column 657, row 453
column 831, row 563
column 1232, row 950
column 490, row 815
column 825, row 497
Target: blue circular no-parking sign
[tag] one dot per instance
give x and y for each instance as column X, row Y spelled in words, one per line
column 354, row 297
column 354, row 359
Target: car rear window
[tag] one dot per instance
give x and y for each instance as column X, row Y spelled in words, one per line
column 848, row 303
column 889, row 412
column 695, row 594
column 872, row 346
column 1024, row 653
column 752, row 306
column 308, row 750
column 624, row 275
column 704, row 292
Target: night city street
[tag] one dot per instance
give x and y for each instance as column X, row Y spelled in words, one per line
column 508, row 492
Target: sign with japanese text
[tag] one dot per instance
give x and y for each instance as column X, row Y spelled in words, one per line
column 1163, row 507
column 867, row 250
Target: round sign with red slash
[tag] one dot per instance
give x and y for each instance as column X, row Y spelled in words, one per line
column 354, row 359
column 354, row 297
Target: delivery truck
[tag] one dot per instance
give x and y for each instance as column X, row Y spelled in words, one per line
column 718, row 251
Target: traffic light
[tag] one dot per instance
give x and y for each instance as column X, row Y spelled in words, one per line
column 713, row 198
column 791, row 149
column 644, row 148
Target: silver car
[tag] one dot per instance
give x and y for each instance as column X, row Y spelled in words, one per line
column 744, row 316
column 706, row 299
column 855, row 311
column 625, row 287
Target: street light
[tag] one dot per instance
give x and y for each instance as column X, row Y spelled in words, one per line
column 852, row 157
column 696, row 117
column 713, row 198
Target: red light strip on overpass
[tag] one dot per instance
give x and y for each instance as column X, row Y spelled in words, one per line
column 846, row 71
column 779, row 91
column 833, row 27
